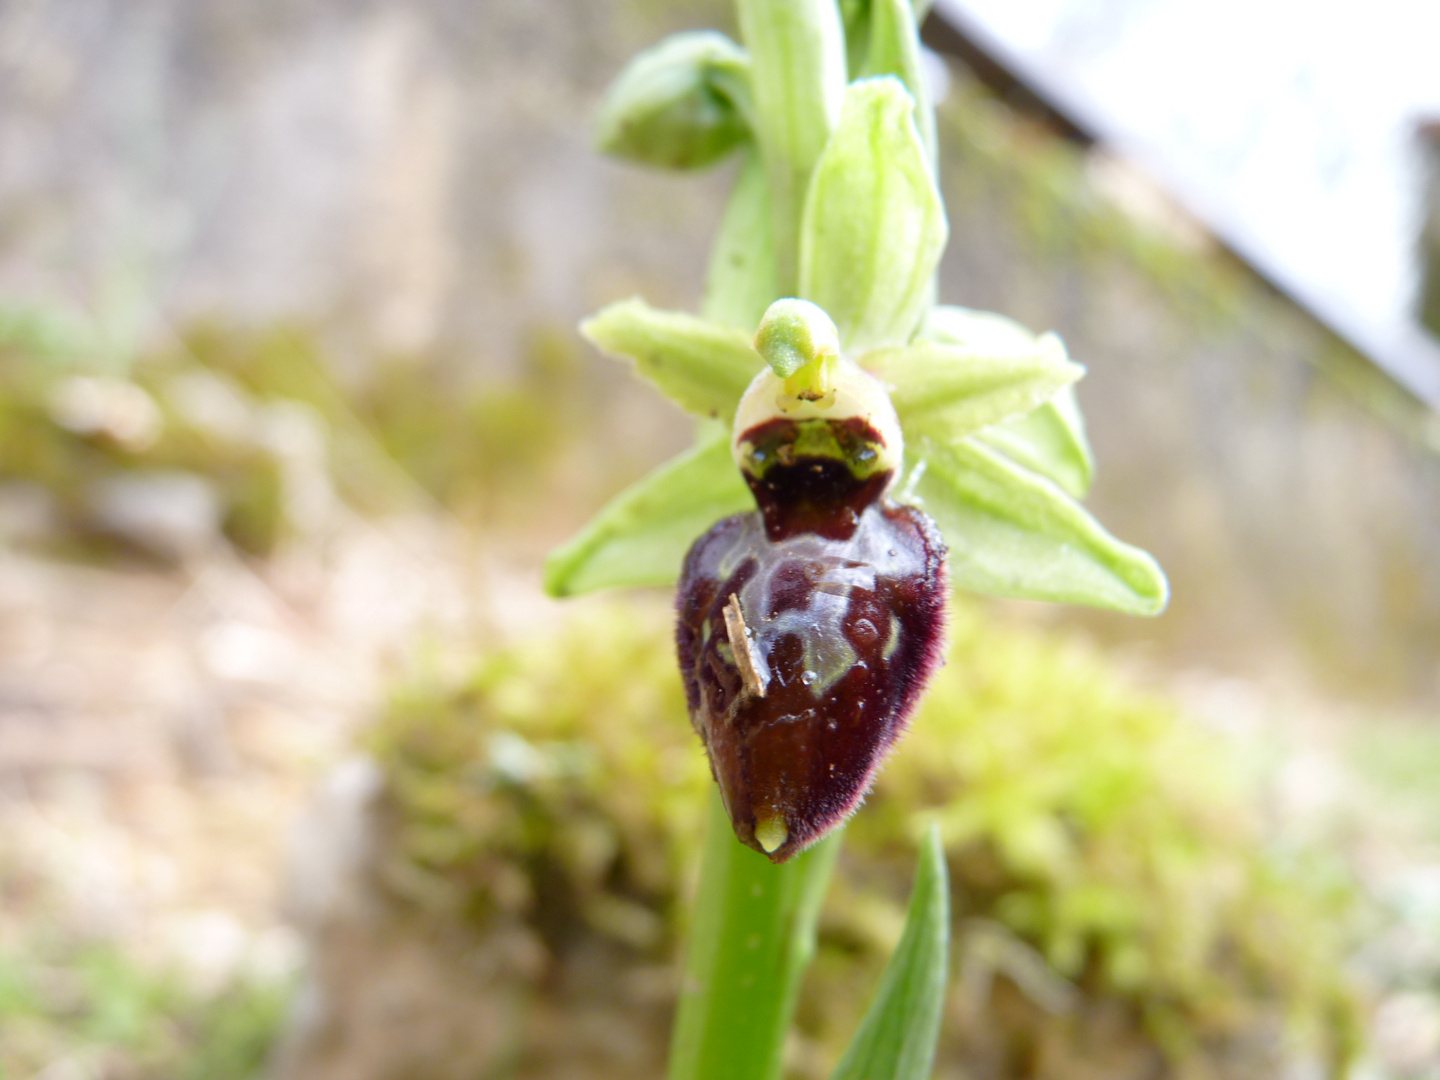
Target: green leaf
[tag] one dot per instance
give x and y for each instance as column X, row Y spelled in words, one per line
column 679, row 105
column 1011, row 532
column 740, row 281
column 893, row 48
column 950, row 391
column 641, row 536
column 797, row 75
column 700, row 365
column 751, row 938
column 896, row 1040
column 1050, row 441
column 874, row 226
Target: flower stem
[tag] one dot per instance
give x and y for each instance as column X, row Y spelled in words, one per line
column 751, row 938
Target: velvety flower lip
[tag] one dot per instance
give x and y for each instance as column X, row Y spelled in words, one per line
column 802, row 660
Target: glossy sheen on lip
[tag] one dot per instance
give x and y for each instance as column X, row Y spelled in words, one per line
column 838, row 634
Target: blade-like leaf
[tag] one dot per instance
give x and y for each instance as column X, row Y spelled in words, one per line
column 641, row 536
column 702, row 366
column 751, row 937
column 874, row 225
column 679, row 105
column 1051, row 441
column 1014, row 533
column 740, row 282
column 896, row 1040
column 950, row 391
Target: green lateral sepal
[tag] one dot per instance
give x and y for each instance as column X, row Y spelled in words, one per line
column 950, row 391
column 1014, row 533
column 897, row 1038
column 702, row 366
column 1049, row 440
column 641, row 536
column 874, row 225
column 683, row 104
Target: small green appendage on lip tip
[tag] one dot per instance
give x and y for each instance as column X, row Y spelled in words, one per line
column 771, row 833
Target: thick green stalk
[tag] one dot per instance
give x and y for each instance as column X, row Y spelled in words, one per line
column 797, row 57
column 752, row 936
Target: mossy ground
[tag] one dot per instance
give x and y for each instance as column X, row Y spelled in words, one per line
column 1104, row 855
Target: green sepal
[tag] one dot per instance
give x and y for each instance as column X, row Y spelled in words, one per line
column 1014, row 533
column 641, row 536
column 874, row 225
column 1049, row 440
column 897, row 1038
column 700, row 365
column 741, row 281
column 680, row 105
column 950, row 391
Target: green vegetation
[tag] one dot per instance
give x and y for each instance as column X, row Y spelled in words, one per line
column 1103, row 854
column 95, row 1007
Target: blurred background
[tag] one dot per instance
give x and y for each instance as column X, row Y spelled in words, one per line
column 302, row 777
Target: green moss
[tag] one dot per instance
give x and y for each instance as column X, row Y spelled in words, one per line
column 1085, row 823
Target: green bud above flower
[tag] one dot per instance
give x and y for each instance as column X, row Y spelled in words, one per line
column 680, row 105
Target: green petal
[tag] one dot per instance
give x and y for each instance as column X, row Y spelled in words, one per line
column 679, row 105
column 950, row 391
column 1050, row 441
column 896, row 1040
column 700, row 365
column 874, row 226
column 1014, row 533
column 641, row 536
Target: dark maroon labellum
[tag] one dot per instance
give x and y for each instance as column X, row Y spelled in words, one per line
column 806, row 633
